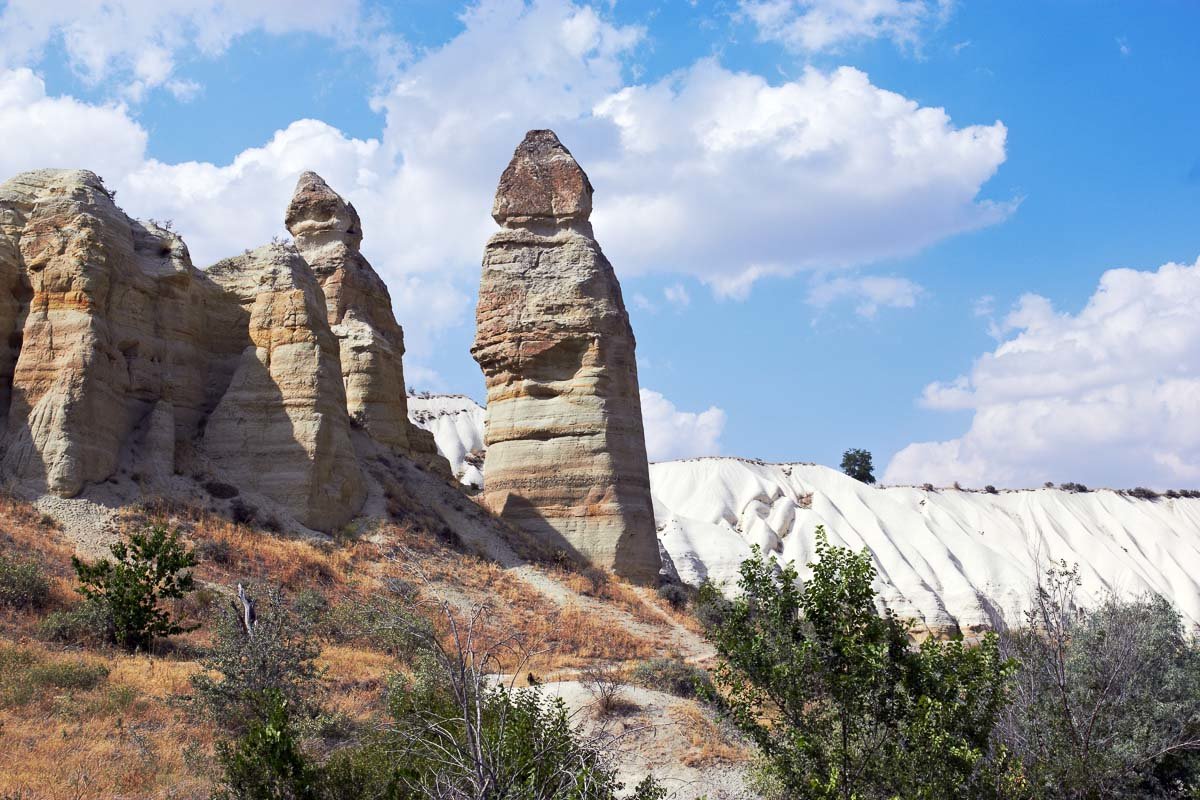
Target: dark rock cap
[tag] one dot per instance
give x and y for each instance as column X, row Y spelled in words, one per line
column 317, row 212
column 542, row 182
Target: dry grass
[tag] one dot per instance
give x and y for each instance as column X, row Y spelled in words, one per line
column 707, row 743
column 129, row 736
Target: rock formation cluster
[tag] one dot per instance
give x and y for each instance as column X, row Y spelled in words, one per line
column 566, row 452
column 118, row 355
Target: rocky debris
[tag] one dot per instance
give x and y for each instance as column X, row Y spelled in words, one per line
column 328, row 234
column 119, row 358
column 566, row 452
column 281, row 425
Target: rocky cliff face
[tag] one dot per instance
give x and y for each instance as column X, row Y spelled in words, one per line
column 282, row 424
column 566, row 457
column 117, row 355
column 328, row 234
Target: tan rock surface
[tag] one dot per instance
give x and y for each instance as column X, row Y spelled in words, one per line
column 102, row 319
column 117, row 356
column 281, row 425
column 566, row 455
column 328, row 234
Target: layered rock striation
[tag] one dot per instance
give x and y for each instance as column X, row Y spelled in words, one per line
column 566, row 452
column 117, row 355
column 328, row 234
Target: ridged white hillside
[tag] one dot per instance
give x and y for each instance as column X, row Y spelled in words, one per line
column 945, row 557
column 456, row 422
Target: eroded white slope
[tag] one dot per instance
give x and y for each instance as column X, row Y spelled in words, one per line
column 456, row 422
column 945, row 557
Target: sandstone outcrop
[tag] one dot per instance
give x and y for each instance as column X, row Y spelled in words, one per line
column 328, row 234
column 566, row 452
column 119, row 358
column 281, row 424
column 103, row 318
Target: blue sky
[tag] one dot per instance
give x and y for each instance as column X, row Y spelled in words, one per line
column 805, row 241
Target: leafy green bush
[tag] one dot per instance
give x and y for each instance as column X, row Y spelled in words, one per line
column 279, row 655
column 23, row 583
column 266, row 762
column 674, row 676
column 840, row 705
column 150, row 566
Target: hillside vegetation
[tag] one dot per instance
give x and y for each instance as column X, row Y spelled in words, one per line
column 82, row 718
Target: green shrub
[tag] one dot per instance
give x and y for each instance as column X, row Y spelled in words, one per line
column 87, row 624
column 279, row 656
column 711, row 607
column 673, row 676
column 266, row 762
column 23, row 583
column 149, row 566
column 838, row 702
column 674, row 594
column 1107, row 699
column 858, row 465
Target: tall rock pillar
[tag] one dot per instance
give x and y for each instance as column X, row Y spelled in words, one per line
column 566, row 452
column 328, row 234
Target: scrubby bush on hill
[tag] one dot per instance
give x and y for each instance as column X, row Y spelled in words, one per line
column 150, row 566
column 87, row 624
column 23, row 583
column 675, row 594
column 840, row 705
column 1107, row 700
column 674, row 676
column 454, row 733
column 277, row 655
column 25, row 675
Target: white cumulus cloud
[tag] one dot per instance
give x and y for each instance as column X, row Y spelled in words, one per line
column 709, row 173
column 671, row 433
column 1108, row 396
column 818, row 25
column 139, row 42
column 869, row 293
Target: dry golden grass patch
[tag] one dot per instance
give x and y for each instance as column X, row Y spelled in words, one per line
column 127, row 735
column 706, row 742
column 93, row 725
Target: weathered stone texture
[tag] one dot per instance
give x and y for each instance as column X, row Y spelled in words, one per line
column 117, row 354
column 566, row 453
column 102, row 319
column 281, row 425
column 328, row 234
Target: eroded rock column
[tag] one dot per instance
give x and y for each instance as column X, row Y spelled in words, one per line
column 281, row 425
column 328, row 234
column 566, row 452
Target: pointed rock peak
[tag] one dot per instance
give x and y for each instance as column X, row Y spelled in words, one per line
column 543, row 182
column 318, row 215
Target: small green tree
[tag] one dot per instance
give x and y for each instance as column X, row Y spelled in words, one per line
column 838, row 702
column 857, row 464
column 150, row 565
column 267, row 762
